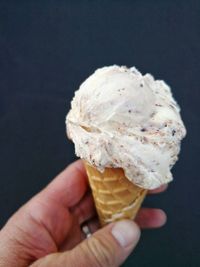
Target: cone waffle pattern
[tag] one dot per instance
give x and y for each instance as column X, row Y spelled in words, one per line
column 114, row 195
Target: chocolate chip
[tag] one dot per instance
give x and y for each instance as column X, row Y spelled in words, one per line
column 143, row 130
column 121, row 89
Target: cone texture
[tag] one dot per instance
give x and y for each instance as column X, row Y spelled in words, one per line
column 114, row 195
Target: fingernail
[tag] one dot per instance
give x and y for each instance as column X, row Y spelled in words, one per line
column 126, row 233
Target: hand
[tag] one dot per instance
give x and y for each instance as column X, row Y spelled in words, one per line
column 46, row 230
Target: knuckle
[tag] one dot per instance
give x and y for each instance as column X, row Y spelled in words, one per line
column 100, row 252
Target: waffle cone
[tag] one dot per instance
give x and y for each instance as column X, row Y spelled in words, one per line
column 115, row 196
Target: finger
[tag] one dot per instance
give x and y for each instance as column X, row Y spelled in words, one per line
column 151, row 218
column 160, row 189
column 108, row 247
column 94, row 225
column 91, row 227
column 69, row 186
column 74, row 237
column 85, row 209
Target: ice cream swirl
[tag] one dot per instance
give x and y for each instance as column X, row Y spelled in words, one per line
column 120, row 118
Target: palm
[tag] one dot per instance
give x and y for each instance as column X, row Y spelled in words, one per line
column 56, row 214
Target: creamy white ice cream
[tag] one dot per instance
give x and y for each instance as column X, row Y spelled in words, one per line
column 122, row 119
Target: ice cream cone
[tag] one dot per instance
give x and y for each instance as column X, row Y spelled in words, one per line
column 115, row 196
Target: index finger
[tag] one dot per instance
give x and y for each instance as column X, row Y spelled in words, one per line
column 160, row 189
column 69, row 186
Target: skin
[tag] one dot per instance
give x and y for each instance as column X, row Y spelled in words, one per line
column 50, row 221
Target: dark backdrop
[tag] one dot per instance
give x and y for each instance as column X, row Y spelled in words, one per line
column 47, row 48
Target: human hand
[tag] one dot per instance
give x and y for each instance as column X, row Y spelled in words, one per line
column 46, row 231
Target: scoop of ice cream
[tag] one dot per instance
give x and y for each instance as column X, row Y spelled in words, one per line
column 122, row 119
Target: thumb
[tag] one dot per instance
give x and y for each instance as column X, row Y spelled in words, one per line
column 108, row 247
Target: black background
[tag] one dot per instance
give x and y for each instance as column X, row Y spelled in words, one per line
column 47, row 48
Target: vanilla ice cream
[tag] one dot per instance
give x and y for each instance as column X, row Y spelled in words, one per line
column 120, row 118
